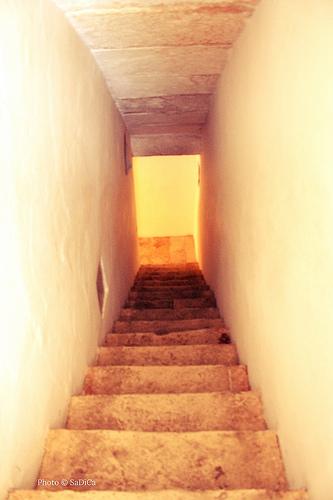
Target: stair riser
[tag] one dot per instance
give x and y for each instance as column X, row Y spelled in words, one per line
column 178, row 269
column 168, row 413
column 193, row 303
column 170, row 289
column 161, row 495
column 165, row 379
column 167, row 275
column 164, row 278
column 165, row 326
column 141, row 283
column 165, row 294
column 149, row 304
column 169, row 355
column 156, row 461
column 170, row 303
column 168, row 315
column 189, row 337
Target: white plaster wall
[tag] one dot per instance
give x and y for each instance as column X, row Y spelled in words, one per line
column 64, row 202
column 266, row 220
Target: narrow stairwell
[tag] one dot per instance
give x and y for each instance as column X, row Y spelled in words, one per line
column 167, row 412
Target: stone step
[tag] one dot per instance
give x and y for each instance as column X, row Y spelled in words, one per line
column 166, row 294
column 169, row 315
column 187, row 337
column 150, row 304
column 162, row 327
column 171, row 269
column 127, row 460
column 168, row 412
column 169, row 275
column 253, row 494
column 165, row 379
column 176, row 268
column 169, row 288
column 192, row 303
column 170, row 303
column 168, row 355
column 195, row 282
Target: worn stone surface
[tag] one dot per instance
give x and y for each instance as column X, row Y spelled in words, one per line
column 169, row 355
column 130, row 24
column 134, row 120
column 168, row 412
column 166, row 326
column 74, row 5
column 150, row 130
column 166, row 250
column 162, row 60
column 201, row 302
column 188, row 293
column 164, row 286
column 150, row 304
column 166, row 104
column 190, row 422
column 159, row 144
column 156, row 282
column 188, row 337
column 140, row 44
column 179, row 268
column 130, row 460
column 171, row 303
column 160, row 85
column 169, row 314
column 253, row 494
column 146, row 287
column 155, row 144
column 167, row 273
column 165, row 379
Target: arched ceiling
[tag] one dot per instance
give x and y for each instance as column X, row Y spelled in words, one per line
column 161, row 60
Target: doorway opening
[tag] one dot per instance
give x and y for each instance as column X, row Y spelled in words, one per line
column 167, row 198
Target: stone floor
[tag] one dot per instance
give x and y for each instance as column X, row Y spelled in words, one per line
column 167, row 412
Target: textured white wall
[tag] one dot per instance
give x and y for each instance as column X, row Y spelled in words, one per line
column 266, row 222
column 64, row 202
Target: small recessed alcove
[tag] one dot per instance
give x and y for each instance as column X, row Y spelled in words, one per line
column 101, row 287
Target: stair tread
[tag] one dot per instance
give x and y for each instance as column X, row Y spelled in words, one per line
column 168, row 412
column 253, row 494
column 179, row 268
column 160, row 281
column 169, row 274
column 129, row 314
column 169, row 355
column 170, row 288
column 166, row 325
column 165, row 293
column 165, row 379
column 194, row 303
column 186, row 337
column 201, row 302
column 129, row 460
column 149, row 304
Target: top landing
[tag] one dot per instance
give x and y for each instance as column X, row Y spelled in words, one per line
column 167, row 250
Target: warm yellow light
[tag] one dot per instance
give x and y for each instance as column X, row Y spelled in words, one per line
column 166, row 190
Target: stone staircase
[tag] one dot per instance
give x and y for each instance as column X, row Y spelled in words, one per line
column 167, row 412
